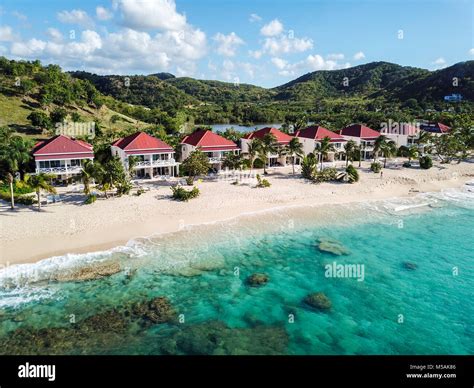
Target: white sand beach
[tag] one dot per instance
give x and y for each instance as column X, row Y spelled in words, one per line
column 28, row 235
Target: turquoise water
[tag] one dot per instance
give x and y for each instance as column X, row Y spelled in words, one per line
column 202, row 271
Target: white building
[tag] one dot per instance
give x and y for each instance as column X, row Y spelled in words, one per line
column 363, row 136
column 213, row 145
column 62, row 156
column 312, row 136
column 282, row 140
column 153, row 157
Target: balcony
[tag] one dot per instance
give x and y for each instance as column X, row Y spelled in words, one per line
column 155, row 163
column 60, row 170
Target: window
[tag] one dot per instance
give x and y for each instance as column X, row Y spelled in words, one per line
column 75, row 162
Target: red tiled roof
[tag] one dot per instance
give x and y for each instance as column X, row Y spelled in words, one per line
column 317, row 132
column 209, row 141
column 358, row 130
column 281, row 137
column 141, row 141
column 62, row 146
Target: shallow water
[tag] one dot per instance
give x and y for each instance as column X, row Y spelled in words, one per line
column 203, row 271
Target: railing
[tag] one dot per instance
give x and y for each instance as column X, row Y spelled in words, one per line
column 60, row 170
column 155, row 163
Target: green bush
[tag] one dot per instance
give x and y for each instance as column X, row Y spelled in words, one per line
column 91, row 198
column 352, row 174
column 262, row 182
column 19, row 187
column 257, row 163
column 326, row 175
column 376, row 167
column 181, row 194
column 21, row 199
column 426, row 162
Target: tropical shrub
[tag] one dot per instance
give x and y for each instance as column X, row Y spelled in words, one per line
column 22, row 199
column 376, row 167
column 308, row 166
column 352, row 174
column 262, row 182
column 257, row 163
column 181, row 194
column 326, row 175
column 426, row 162
column 91, row 198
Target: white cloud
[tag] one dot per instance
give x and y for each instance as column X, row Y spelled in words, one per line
column 121, row 52
column 285, row 45
column 54, row 34
column 359, row 55
column 471, row 52
column 227, row 44
column 279, row 63
column 312, row 62
column 257, row 54
column 6, row 34
column 103, row 13
column 439, row 63
column 335, row 57
column 76, row 16
column 254, row 18
column 147, row 14
column 272, row 29
column 20, row 16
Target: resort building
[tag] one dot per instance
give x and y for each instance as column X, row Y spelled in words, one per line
column 213, row 145
column 62, row 156
column 312, row 136
column 152, row 157
column 363, row 136
column 282, row 140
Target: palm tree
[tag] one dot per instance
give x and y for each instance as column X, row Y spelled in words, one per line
column 378, row 145
column 14, row 154
column 268, row 146
column 232, row 161
column 40, row 182
column 253, row 149
column 349, row 150
column 323, row 148
column 388, row 148
column 88, row 173
column 295, row 149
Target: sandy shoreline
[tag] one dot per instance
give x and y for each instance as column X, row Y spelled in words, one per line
column 70, row 227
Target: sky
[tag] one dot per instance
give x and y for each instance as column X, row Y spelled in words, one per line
column 261, row 42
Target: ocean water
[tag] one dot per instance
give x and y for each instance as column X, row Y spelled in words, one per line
column 202, row 271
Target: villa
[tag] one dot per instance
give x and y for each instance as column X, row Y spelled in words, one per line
column 62, row 156
column 363, row 136
column 153, row 157
column 213, row 145
column 311, row 136
column 282, row 140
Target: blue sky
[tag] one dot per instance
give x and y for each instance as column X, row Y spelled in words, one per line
column 260, row 42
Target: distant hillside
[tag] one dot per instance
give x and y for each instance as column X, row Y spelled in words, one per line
column 149, row 91
column 219, row 92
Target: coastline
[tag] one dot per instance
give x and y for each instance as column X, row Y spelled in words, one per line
column 70, row 228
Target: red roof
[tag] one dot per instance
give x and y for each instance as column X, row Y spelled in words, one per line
column 317, row 132
column 359, row 130
column 61, row 146
column 281, row 137
column 141, row 142
column 209, row 141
